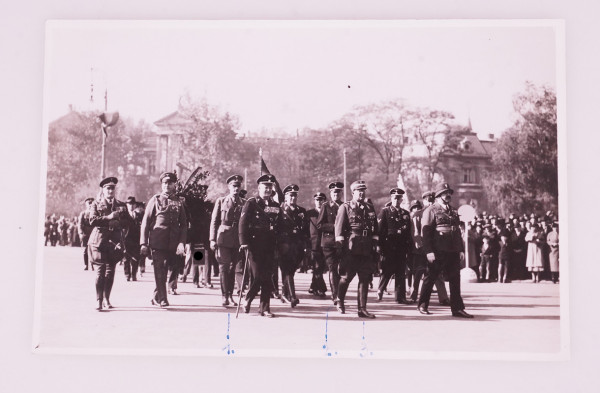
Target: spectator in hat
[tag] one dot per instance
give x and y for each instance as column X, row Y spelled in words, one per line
column 534, row 262
column 552, row 241
column 486, row 257
column 85, row 229
column 132, row 240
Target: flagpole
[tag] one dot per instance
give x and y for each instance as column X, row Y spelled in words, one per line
column 345, row 177
column 260, row 163
column 246, row 179
column 103, row 151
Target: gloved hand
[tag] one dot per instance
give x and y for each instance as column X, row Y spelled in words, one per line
column 114, row 224
column 213, row 245
column 144, row 250
column 338, row 249
column 430, row 257
column 180, row 249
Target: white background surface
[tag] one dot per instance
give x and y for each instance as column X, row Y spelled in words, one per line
column 21, row 71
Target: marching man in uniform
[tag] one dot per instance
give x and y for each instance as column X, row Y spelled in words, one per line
column 224, row 236
column 444, row 248
column 163, row 233
column 395, row 242
column 259, row 224
column 326, row 225
column 108, row 217
column 293, row 242
column 356, row 235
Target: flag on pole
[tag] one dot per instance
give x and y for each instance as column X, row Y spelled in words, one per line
column 108, row 120
column 406, row 200
column 265, row 171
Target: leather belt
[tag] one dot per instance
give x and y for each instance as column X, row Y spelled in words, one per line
column 261, row 228
column 229, row 224
column 446, row 229
column 364, row 232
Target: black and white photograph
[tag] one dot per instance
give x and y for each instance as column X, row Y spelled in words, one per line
column 304, row 189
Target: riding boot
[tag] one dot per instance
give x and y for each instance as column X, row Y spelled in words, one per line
column 334, row 282
column 292, row 288
column 363, row 291
column 342, row 289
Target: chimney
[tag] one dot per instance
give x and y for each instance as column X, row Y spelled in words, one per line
column 491, row 136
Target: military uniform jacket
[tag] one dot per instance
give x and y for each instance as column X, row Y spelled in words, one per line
column 417, row 239
column 132, row 237
column 356, row 222
column 394, row 229
column 102, row 235
column 315, row 234
column 260, row 221
column 326, row 223
column 164, row 225
column 294, row 228
column 199, row 212
column 225, row 220
column 441, row 229
column 83, row 225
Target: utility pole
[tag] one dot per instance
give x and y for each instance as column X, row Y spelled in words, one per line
column 345, row 177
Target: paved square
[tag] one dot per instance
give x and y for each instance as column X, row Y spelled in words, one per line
column 515, row 320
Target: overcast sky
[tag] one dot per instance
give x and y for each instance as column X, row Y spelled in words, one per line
column 297, row 74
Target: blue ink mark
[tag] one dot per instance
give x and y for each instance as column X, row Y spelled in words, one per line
column 227, row 347
column 364, row 351
column 328, row 352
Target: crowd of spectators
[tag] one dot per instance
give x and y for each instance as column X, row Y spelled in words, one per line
column 61, row 231
column 514, row 248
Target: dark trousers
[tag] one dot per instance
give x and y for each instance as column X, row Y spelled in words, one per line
column 105, row 262
column 84, row 242
column 289, row 262
column 333, row 265
column 261, row 260
column 352, row 265
column 228, row 259
column 394, row 264
column 318, row 264
column 130, row 266
column 175, row 269
column 449, row 264
column 162, row 260
column 239, row 273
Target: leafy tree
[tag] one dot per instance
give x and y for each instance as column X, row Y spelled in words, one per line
column 433, row 136
column 74, row 156
column 524, row 176
column 212, row 142
column 381, row 128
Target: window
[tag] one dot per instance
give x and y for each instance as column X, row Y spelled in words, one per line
column 468, row 175
column 151, row 165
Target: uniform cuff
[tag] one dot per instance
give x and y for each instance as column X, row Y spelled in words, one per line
column 375, row 237
column 339, row 238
